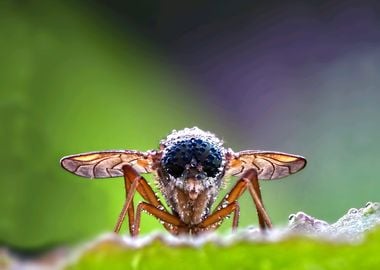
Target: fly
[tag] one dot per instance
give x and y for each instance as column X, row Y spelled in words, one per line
column 191, row 166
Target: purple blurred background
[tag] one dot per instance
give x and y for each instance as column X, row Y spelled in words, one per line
column 299, row 76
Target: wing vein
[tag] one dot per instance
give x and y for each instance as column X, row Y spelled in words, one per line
column 273, row 167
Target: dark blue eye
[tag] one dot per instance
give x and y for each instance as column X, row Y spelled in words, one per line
column 176, row 158
column 212, row 163
column 183, row 152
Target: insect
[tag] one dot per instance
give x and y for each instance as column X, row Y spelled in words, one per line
column 191, row 166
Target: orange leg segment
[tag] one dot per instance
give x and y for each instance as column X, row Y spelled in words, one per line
column 133, row 182
column 215, row 219
column 248, row 180
column 172, row 222
column 229, row 205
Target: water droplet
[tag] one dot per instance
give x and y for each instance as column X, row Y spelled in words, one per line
column 352, row 211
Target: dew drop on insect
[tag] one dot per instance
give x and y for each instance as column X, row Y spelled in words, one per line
column 224, row 204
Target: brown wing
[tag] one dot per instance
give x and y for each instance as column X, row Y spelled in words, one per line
column 269, row 165
column 105, row 164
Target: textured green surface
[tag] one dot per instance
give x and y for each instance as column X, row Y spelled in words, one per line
column 278, row 249
column 306, row 243
column 295, row 253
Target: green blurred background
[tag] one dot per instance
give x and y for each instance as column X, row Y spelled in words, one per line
column 96, row 75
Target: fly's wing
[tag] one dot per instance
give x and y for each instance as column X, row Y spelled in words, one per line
column 105, row 164
column 269, row 165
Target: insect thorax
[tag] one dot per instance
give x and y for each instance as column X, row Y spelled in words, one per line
column 192, row 168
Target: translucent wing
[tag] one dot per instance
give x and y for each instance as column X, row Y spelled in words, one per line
column 269, row 165
column 105, row 164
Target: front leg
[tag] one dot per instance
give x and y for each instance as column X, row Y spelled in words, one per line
column 214, row 220
column 171, row 222
column 133, row 182
column 254, row 189
column 248, row 180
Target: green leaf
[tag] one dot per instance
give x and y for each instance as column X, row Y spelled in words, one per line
column 292, row 253
column 307, row 243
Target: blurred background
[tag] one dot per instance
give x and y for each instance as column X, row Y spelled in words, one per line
column 75, row 76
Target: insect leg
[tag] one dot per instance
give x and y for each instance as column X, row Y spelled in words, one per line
column 171, row 222
column 144, row 189
column 254, row 189
column 230, row 197
column 128, row 178
column 215, row 219
column 128, row 205
column 248, row 180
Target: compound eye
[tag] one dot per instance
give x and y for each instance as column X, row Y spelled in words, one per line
column 210, row 171
column 208, row 156
column 212, row 164
column 176, row 159
column 175, row 170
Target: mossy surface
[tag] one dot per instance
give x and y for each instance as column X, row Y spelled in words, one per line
column 292, row 253
column 353, row 242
